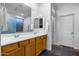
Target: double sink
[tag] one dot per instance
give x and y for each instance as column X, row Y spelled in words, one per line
column 19, row 37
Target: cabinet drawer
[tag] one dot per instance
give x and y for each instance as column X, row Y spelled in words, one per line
column 10, row 47
column 24, row 43
column 16, row 52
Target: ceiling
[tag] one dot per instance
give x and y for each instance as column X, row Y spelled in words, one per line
column 18, row 9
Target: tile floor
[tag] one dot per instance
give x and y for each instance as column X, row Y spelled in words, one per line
column 60, row 51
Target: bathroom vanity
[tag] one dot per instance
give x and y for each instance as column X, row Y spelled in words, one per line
column 30, row 45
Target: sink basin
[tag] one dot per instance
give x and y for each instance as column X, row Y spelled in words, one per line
column 19, row 37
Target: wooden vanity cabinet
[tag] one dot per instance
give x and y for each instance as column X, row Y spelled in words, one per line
column 29, row 47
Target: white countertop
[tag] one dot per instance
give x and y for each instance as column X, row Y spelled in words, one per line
column 23, row 36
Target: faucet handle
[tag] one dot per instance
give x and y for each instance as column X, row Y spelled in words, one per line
column 17, row 35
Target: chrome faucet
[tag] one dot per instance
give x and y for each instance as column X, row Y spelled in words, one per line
column 17, row 35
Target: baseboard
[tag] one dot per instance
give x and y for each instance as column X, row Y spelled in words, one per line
column 67, row 46
column 55, row 44
column 64, row 46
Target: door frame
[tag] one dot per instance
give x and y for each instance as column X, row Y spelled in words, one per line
column 72, row 25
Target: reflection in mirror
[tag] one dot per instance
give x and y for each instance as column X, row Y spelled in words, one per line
column 38, row 23
column 15, row 17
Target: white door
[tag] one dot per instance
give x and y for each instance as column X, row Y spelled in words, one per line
column 67, row 31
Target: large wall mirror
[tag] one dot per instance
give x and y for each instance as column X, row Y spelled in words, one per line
column 15, row 17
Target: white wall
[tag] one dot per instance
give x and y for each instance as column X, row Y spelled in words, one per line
column 34, row 11
column 45, row 11
column 65, row 10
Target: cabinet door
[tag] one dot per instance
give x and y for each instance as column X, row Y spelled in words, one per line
column 44, row 42
column 24, row 44
column 38, row 45
column 27, row 50
column 17, row 52
column 30, row 48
